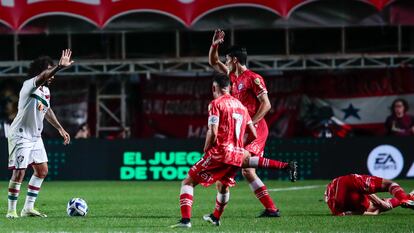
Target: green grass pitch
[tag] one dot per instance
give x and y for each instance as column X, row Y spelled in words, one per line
column 153, row 206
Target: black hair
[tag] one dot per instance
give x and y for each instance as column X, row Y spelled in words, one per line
column 222, row 80
column 238, row 52
column 39, row 65
column 403, row 101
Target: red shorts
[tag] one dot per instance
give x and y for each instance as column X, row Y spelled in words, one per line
column 256, row 147
column 207, row 171
column 350, row 193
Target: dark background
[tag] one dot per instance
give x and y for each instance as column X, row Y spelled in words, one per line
column 96, row 159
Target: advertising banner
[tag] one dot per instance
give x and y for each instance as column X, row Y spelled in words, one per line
column 158, row 159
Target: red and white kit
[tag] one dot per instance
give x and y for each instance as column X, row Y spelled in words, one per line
column 223, row 160
column 355, row 194
column 247, row 88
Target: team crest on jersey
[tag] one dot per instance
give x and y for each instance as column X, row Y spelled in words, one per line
column 240, row 86
column 20, row 158
column 258, row 83
column 41, row 103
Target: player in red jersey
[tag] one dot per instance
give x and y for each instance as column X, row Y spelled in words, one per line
column 355, row 195
column 224, row 152
column 250, row 89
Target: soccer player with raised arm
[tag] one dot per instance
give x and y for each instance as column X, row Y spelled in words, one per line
column 355, row 195
column 24, row 138
column 224, row 152
column 250, row 89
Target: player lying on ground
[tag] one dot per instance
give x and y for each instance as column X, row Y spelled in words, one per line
column 250, row 89
column 25, row 141
column 355, row 195
column 224, row 152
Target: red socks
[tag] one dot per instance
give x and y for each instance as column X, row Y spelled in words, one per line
column 260, row 162
column 398, row 192
column 262, row 194
column 394, row 202
column 221, row 202
column 186, row 200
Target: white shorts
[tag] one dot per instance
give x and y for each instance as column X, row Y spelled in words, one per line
column 24, row 152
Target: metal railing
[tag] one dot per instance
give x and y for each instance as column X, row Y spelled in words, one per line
column 200, row 64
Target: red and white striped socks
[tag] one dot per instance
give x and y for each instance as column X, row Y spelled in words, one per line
column 32, row 192
column 186, row 201
column 13, row 195
column 398, row 192
column 262, row 194
column 260, row 162
column 393, row 202
column 221, row 202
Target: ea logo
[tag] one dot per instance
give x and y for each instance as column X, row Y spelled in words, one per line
column 385, row 161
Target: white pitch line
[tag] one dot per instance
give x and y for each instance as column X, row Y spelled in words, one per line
column 296, row 188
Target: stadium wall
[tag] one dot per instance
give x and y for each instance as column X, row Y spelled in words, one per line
column 158, row 159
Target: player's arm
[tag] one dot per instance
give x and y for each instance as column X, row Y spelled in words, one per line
column 264, row 108
column 51, row 118
column 371, row 213
column 251, row 130
column 213, row 123
column 211, row 137
column 379, row 204
column 213, row 56
column 64, row 62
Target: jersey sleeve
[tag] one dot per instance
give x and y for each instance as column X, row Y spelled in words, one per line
column 28, row 86
column 258, row 85
column 213, row 114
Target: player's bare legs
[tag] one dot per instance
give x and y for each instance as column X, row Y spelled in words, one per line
column 40, row 173
column 18, row 175
column 400, row 196
column 378, row 205
column 223, row 196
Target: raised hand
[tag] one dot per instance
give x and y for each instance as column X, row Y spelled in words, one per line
column 218, row 37
column 65, row 60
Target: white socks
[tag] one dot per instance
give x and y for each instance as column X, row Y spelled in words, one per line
column 32, row 192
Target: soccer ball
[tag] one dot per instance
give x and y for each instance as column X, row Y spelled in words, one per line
column 77, row 207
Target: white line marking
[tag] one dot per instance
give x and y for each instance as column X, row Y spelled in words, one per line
column 296, row 188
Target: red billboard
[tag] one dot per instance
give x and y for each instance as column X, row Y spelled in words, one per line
column 17, row 13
